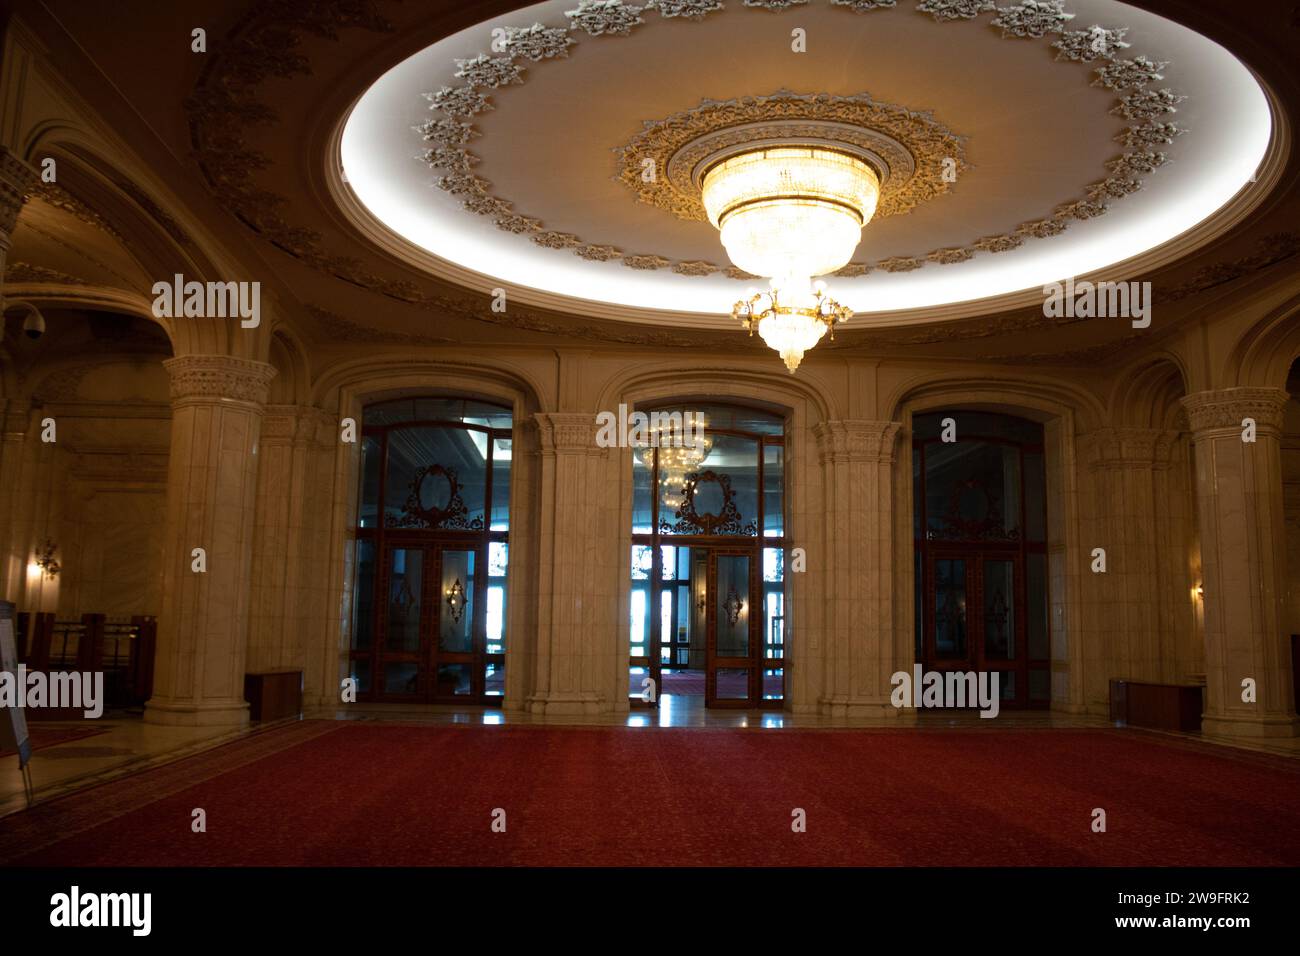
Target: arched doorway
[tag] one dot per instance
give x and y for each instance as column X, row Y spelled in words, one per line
column 432, row 550
column 980, row 550
column 707, row 572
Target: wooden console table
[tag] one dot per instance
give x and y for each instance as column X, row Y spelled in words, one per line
column 1161, row 706
column 273, row 694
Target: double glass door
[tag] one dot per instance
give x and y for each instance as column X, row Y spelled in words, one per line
column 975, row 615
column 719, row 627
column 430, row 646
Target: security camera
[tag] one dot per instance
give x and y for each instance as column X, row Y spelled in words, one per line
column 34, row 324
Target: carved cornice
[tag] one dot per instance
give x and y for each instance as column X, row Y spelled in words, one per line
column 856, row 441
column 17, row 180
column 59, row 198
column 1225, row 409
column 567, row 432
column 24, row 273
column 1146, row 449
column 216, row 378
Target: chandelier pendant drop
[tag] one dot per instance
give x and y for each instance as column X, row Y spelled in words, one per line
column 791, row 213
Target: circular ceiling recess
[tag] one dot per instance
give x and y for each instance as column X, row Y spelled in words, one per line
column 559, row 151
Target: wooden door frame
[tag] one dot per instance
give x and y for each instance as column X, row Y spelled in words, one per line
column 976, row 659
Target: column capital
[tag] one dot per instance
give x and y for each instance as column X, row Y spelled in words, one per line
column 566, row 432
column 856, row 440
column 217, row 377
column 1225, row 408
column 16, row 182
column 1119, row 448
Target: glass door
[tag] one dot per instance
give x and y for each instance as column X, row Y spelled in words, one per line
column 732, row 645
column 429, row 648
column 403, row 621
column 973, row 618
column 455, row 656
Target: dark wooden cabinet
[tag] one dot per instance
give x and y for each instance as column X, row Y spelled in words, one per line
column 273, row 694
column 1160, row 706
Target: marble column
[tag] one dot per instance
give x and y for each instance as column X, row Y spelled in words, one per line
column 291, row 535
column 16, row 179
column 15, row 419
column 857, row 581
column 1243, row 553
column 217, row 408
column 577, row 599
column 1135, row 512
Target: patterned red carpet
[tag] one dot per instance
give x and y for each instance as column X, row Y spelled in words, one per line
column 381, row 793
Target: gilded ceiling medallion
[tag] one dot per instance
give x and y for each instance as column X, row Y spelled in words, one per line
column 916, row 156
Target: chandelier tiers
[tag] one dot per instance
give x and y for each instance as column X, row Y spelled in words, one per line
column 790, row 213
column 677, row 457
column 788, row 328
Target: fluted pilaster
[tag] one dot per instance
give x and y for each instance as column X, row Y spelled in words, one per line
column 1243, row 550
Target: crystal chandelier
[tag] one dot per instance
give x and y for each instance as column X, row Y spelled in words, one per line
column 790, row 213
column 676, row 458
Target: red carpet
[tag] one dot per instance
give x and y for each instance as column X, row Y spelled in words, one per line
column 375, row 793
column 42, row 737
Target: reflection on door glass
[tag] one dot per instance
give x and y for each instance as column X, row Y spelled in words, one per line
column 732, row 605
column 999, row 613
column 404, row 590
column 453, row 680
column 733, row 683
column 950, row 607
column 456, row 607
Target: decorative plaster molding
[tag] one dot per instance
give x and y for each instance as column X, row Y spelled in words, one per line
column 1033, row 18
column 943, row 10
column 59, row 198
column 225, row 106
column 1122, row 448
column 567, row 432
column 1225, row 409
column 25, row 273
column 856, row 441
column 17, row 181
column 604, row 17
column 679, row 143
column 691, row 9
column 217, row 378
column 912, row 146
column 1271, row 249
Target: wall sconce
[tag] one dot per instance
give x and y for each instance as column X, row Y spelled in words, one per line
column 50, row 568
column 456, row 600
column 733, row 606
column 1198, row 591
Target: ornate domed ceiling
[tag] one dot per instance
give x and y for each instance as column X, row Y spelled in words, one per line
column 557, row 150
